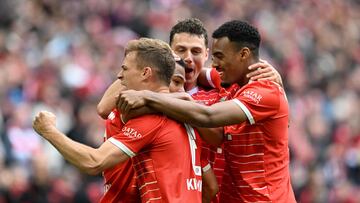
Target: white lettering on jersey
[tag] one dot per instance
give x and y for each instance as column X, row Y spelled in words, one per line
column 107, row 187
column 131, row 133
column 191, row 135
column 194, row 184
column 256, row 97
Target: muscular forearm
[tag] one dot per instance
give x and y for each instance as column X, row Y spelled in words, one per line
column 183, row 111
column 81, row 156
column 217, row 115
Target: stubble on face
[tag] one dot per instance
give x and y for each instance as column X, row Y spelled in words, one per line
column 130, row 71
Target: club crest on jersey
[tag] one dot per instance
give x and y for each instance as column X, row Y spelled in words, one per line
column 256, row 97
column 131, row 133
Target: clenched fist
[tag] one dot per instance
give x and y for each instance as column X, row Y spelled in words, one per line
column 131, row 99
column 44, row 122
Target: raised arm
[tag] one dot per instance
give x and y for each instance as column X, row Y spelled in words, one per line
column 108, row 101
column 217, row 115
column 87, row 159
column 263, row 70
column 209, row 78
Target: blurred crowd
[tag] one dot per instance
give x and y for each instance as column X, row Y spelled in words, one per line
column 61, row 56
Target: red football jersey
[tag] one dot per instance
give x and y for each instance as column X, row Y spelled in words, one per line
column 213, row 78
column 214, row 155
column 256, row 151
column 161, row 149
column 120, row 182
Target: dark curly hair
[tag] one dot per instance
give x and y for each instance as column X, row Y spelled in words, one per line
column 193, row 26
column 244, row 34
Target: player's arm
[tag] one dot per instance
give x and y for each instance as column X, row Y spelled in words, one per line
column 209, row 186
column 209, row 78
column 87, row 159
column 108, row 101
column 217, row 115
column 262, row 70
column 133, row 113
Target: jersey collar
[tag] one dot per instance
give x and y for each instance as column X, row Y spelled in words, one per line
column 193, row 90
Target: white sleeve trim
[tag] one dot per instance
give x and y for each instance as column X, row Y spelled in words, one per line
column 206, row 168
column 246, row 111
column 208, row 77
column 121, row 146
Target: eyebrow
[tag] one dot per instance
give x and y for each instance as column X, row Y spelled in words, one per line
column 217, row 53
column 179, row 75
column 185, row 45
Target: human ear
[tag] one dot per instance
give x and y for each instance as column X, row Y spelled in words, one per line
column 245, row 53
column 147, row 72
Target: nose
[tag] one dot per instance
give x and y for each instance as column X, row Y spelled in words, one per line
column 120, row 74
column 187, row 57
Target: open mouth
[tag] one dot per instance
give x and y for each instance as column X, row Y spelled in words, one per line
column 188, row 70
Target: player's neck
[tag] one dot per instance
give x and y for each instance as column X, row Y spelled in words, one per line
column 162, row 89
column 193, row 90
column 243, row 79
column 155, row 87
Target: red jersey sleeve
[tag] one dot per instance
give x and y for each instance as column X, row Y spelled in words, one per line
column 258, row 100
column 137, row 133
column 213, row 78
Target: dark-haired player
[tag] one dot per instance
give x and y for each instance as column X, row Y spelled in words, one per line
column 189, row 40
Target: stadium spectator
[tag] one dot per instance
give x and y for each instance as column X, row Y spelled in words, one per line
column 317, row 55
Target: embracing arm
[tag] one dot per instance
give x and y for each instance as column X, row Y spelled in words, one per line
column 217, row 115
column 108, row 101
column 136, row 112
column 209, row 78
column 89, row 160
column 262, row 70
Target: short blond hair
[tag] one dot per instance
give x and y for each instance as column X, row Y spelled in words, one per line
column 154, row 53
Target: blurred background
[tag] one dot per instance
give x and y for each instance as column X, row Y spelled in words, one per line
column 61, row 56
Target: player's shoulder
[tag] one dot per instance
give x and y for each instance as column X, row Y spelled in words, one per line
column 206, row 92
column 264, row 85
